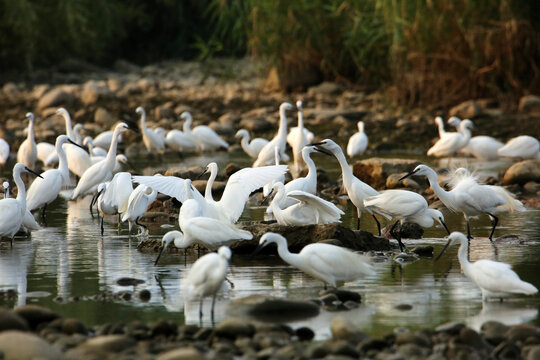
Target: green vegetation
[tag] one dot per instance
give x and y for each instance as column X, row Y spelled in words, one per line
column 426, row 51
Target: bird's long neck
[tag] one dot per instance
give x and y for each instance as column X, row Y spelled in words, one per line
column 312, row 169
column 361, row 126
column 111, row 155
column 462, row 256
column 209, row 184
column 245, row 142
column 30, row 136
column 62, row 162
column 446, row 197
column 300, row 119
column 285, row 254
column 69, row 129
column 440, row 125
column 143, row 120
column 90, row 148
column 346, row 171
column 187, row 125
column 21, row 195
column 282, row 131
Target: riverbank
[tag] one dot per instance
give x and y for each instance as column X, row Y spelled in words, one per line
column 31, row 331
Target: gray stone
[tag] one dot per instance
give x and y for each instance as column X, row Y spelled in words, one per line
column 104, row 118
column 163, row 327
column 183, row 353
column 276, row 309
column 327, row 88
column 466, row 110
column 94, row 91
column 35, row 314
column 529, row 104
column 54, row 98
column 532, row 187
column 375, row 171
column 411, row 350
column 11, row 321
column 453, row 327
column 18, row 345
column 418, row 339
column 522, row 172
column 522, row 332
column 73, row 326
column 494, row 332
column 105, row 344
column 343, row 329
column 233, row 328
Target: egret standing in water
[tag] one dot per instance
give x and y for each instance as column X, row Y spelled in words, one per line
column 404, row 206
column 78, row 159
column 207, row 275
column 253, row 147
column 45, row 189
column 451, row 142
column 325, row 262
column 29, row 222
column 495, row 279
column 266, row 156
column 297, row 138
column 203, row 135
column 358, row 142
column 113, row 197
column 139, row 200
column 27, row 153
column 13, row 210
column 356, row 189
column 467, row 197
column 521, row 147
column 151, row 140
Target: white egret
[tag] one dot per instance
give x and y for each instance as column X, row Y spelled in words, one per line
column 197, row 227
column 521, row 147
column 481, row 147
column 121, row 160
column 29, row 222
column 207, row 275
column 27, row 153
column 358, row 142
column 113, row 197
column 4, row 151
column 45, row 189
column 308, row 208
column 253, row 147
column 404, row 206
column 151, row 140
column 104, row 139
column 306, row 184
column 440, row 126
column 495, row 279
column 44, row 150
column 235, row 195
column 179, row 141
column 298, row 139
column 266, row 156
column 139, row 200
column 13, row 210
column 203, row 135
column 451, row 142
column 466, row 196
column 325, row 262
column 88, row 142
column 102, row 171
column 78, row 159
column 357, row 190
column 293, row 131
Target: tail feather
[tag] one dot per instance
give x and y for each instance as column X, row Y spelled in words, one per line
column 528, row 288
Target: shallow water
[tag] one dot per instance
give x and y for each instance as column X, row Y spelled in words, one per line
column 68, row 262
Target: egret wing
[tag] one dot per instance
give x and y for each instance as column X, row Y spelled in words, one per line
column 493, row 275
column 213, row 232
column 242, row 183
column 118, row 190
column 397, row 203
column 325, row 208
column 169, row 185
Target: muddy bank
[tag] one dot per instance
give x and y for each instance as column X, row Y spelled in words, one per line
column 32, row 331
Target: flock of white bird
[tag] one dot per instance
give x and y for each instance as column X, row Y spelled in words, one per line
column 212, row 224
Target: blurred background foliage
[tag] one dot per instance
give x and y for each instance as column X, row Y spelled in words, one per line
column 421, row 50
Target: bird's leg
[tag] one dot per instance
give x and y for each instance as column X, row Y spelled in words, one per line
column 200, row 311
column 212, row 311
column 141, row 225
column 230, row 282
column 11, row 240
column 325, row 286
column 397, row 236
column 378, row 224
column 43, row 212
column 185, row 256
column 91, row 212
column 358, row 222
column 494, row 221
column 101, row 225
column 468, row 240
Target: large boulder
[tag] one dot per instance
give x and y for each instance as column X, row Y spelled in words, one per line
column 35, row 314
column 522, row 172
column 55, row 97
column 375, row 171
column 24, row 346
column 466, row 110
column 272, row 308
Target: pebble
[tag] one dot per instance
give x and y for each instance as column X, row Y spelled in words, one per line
column 11, row 321
column 35, row 314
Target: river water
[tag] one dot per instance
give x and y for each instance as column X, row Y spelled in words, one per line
column 67, row 263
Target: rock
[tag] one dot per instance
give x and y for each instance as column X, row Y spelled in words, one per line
column 466, row 110
column 232, row 328
column 101, row 346
column 343, row 329
column 375, row 171
column 393, row 182
column 470, row 337
column 184, row 172
column 327, row 88
column 529, row 104
column 494, row 332
column 73, row 326
column 292, row 76
column 452, row 328
column 35, row 314
column 55, row 98
column 104, row 118
column 534, row 353
column 183, row 353
column 410, row 350
column 163, row 327
column 418, row 338
column 145, row 295
column 164, row 111
column 372, row 344
column 343, row 295
column 532, row 187
column 255, row 125
column 522, row 332
column 126, row 281
column 522, row 172
column 403, row 307
column 11, row 321
column 94, row 91
column 304, row 333
column 23, row 346
column 276, row 309
column 506, row 350
column 423, row 250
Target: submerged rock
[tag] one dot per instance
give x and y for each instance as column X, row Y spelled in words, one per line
column 522, row 172
column 272, row 308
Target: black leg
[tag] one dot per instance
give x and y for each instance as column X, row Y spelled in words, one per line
column 212, row 311
column 397, row 236
column 358, row 223
column 91, row 204
column 494, row 221
column 468, row 240
column 11, row 240
column 200, row 311
column 138, row 223
column 101, row 225
column 378, row 224
column 230, row 282
column 43, row 212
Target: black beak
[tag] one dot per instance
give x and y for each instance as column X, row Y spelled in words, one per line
column 32, row 171
column 267, row 196
column 445, row 227
column 161, row 248
column 443, row 250
column 201, row 174
column 132, row 126
column 258, row 249
column 94, row 199
column 74, row 143
column 409, row 174
column 323, row 151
